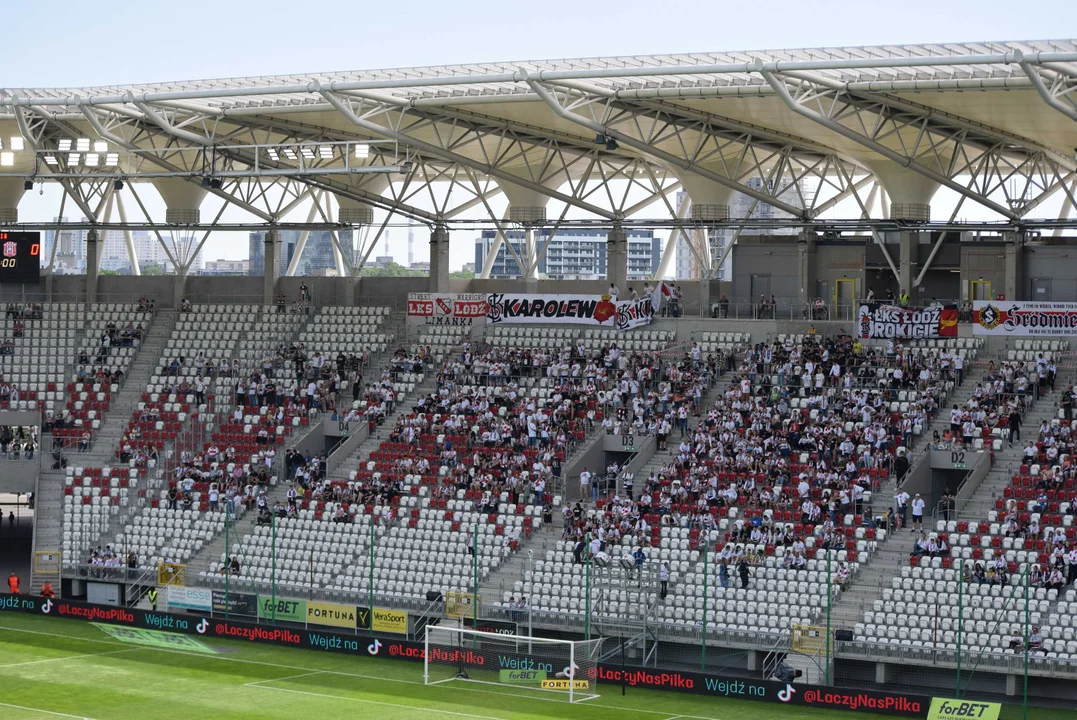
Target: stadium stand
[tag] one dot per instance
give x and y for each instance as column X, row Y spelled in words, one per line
column 36, row 342
column 965, row 584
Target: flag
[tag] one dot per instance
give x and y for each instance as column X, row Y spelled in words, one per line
column 664, row 291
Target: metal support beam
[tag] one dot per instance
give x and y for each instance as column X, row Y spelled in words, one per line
column 930, row 258
column 886, row 254
column 1044, row 93
column 301, row 245
column 652, row 151
column 783, row 92
column 132, row 252
column 462, row 160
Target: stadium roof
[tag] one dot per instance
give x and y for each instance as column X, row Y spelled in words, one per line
column 995, row 122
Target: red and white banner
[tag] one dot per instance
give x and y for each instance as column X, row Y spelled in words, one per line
column 890, row 321
column 464, row 309
column 600, row 310
column 1024, row 319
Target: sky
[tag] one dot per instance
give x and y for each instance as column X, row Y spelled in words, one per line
column 75, row 44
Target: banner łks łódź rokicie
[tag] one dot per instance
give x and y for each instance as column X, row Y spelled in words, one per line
column 889, row 321
column 1024, row 319
column 895, row 704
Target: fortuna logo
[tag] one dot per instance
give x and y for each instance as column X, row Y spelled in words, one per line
column 374, row 647
column 47, row 606
column 201, row 627
column 787, row 694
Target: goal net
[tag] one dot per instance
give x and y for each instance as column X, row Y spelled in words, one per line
column 526, row 663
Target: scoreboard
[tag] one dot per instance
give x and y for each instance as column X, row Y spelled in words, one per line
column 20, row 257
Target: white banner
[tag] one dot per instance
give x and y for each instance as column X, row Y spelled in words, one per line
column 598, row 310
column 446, row 308
column 189, row 598
column 1024, row 319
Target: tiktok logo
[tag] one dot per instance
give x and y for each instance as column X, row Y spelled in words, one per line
column 46, row 607
column 201, row 627
column 787, row 694
column 374, row 647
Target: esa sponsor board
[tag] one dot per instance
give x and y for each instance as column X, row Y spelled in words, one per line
column 1024, row 319
column 180, row 597
column 894, row 704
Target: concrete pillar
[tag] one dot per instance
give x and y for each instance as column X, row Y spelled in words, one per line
column 11, row 191
column 880, row 673
column 271, row 271
column 753, row 661
column 93, row 264
column 908, row 264
column 806, row 269
column 1014, row 285
column 1011, row 685
column 617, row 258
column 439, row 259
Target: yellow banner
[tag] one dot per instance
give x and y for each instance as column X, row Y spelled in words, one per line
column 332, row 614
column 564, row 685
column 390, row 621
column 949, row 709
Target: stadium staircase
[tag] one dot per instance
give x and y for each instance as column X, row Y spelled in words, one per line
column 893, row 552
column 48, row 507
column 107, row 439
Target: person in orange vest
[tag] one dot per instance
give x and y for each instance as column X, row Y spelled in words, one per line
column 13, row 583
column 46, row 591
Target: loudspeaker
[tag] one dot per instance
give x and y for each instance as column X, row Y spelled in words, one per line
column 843, row 635
column 433, row 596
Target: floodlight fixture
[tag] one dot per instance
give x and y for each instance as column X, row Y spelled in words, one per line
column 100, row 146
column 112, row 159
column 17, row 143
column 325, row 152
column 7, row 158
column 65, row 144
column 92, row 159
column 362, row 150
column 83, row 145
column 51, row 160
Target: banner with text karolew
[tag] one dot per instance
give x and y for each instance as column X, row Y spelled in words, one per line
column 599, row 310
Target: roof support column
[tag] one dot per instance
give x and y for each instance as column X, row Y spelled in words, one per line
column 439, row 259
column 271, row 268
column 182, row 202
column 617, row 258
column 710, row 204
column 805, row 269
column 93, row 264
column 910, row 200
column 1015, row 266
column 11, row 191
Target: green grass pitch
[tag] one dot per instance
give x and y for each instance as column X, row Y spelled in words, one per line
column 53, row 668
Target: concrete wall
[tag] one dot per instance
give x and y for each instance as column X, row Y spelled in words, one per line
column 778, row 260
column 983, row 262
column 949, row 277
column 1055, row 262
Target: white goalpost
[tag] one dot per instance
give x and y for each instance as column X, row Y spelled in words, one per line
column 532, row 663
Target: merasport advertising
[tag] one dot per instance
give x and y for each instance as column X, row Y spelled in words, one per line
column 894, row 704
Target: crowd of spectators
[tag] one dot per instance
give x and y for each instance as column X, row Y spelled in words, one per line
column 19, row 442
column 792, row 471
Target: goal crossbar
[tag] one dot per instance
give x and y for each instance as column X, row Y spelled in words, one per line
column 453, row 653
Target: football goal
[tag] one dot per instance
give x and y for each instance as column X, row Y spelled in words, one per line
column 565, row 666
